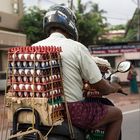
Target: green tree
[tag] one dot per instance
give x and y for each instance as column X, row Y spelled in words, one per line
column 31, row 25
column 90, row 23
column 133, row 27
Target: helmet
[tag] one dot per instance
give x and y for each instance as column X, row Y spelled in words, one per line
column 63, row 18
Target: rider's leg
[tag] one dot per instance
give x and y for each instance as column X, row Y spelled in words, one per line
column 113, row 121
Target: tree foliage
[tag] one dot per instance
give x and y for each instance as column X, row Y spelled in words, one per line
column 90, row 23
column 133, row 27
column 31, row 25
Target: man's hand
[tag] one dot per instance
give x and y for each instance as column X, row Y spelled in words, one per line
column 117, row 87
column 103, row 68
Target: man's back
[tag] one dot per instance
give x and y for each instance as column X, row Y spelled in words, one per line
column 75, row 57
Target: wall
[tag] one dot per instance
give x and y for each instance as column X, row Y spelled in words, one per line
column 9, row 21
column 11, row 39
column 6, row 6
column 10, row 13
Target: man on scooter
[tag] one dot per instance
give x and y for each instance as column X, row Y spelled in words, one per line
column 60, row 25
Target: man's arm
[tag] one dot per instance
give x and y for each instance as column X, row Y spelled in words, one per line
column 105, row 88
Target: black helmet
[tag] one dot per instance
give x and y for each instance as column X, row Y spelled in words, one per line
column 61, row 17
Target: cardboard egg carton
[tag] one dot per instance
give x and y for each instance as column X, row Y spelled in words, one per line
column 36, row 72
column 45, row 110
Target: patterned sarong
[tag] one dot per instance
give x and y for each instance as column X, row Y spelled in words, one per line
column 86, row 114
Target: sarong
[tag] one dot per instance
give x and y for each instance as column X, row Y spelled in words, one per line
column 86, row 114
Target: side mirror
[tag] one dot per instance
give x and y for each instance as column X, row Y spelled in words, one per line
column 123, row 66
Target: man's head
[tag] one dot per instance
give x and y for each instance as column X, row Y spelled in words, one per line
column 62, row 19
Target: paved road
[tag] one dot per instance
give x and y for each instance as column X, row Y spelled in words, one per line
column 131, row 125
column 130, row 106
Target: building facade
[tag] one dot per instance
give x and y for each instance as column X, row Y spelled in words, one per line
column 114, row 34
column 10, row 13
column 118, row 52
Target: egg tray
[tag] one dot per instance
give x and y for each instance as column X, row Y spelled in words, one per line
column 36, row 73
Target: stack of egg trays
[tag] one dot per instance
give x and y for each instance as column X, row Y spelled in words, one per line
column 35, row 71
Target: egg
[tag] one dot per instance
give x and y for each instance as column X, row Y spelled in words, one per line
column 32, row 87
column 21, row 86
column 12, row 64
column 26, row 56
column 42, row 64
column 24, row 64
column 20, row 71
column 25, row 94
column 30, row 64
column 32, row 56
column 19, row 94
column 26, row 71
column 15, row 71
column 14, row 56
column 31, row 94
column 25, row 79
column 37, row 94
column 37, row 79
column 18, row 64
column 38, row 72
column 27, row 86
column 19, row 78
column 15, row 86
column 32, row 71
column 38, row 87
column 43, row 79
column 20, row 56
column 36, row 64
column 43, row 94
column 31, row 79
column 38, row 56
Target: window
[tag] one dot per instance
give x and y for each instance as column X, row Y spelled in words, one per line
column 15, row 6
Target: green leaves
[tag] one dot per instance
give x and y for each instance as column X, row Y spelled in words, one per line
column 90, row 24
column 31, row 24
column 133, row 27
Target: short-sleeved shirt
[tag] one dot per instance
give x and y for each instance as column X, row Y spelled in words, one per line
column 77, row 65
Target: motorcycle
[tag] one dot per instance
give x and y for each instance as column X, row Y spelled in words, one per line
column 61, row 132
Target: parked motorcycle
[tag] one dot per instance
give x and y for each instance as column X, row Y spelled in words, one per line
column 61, row 132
